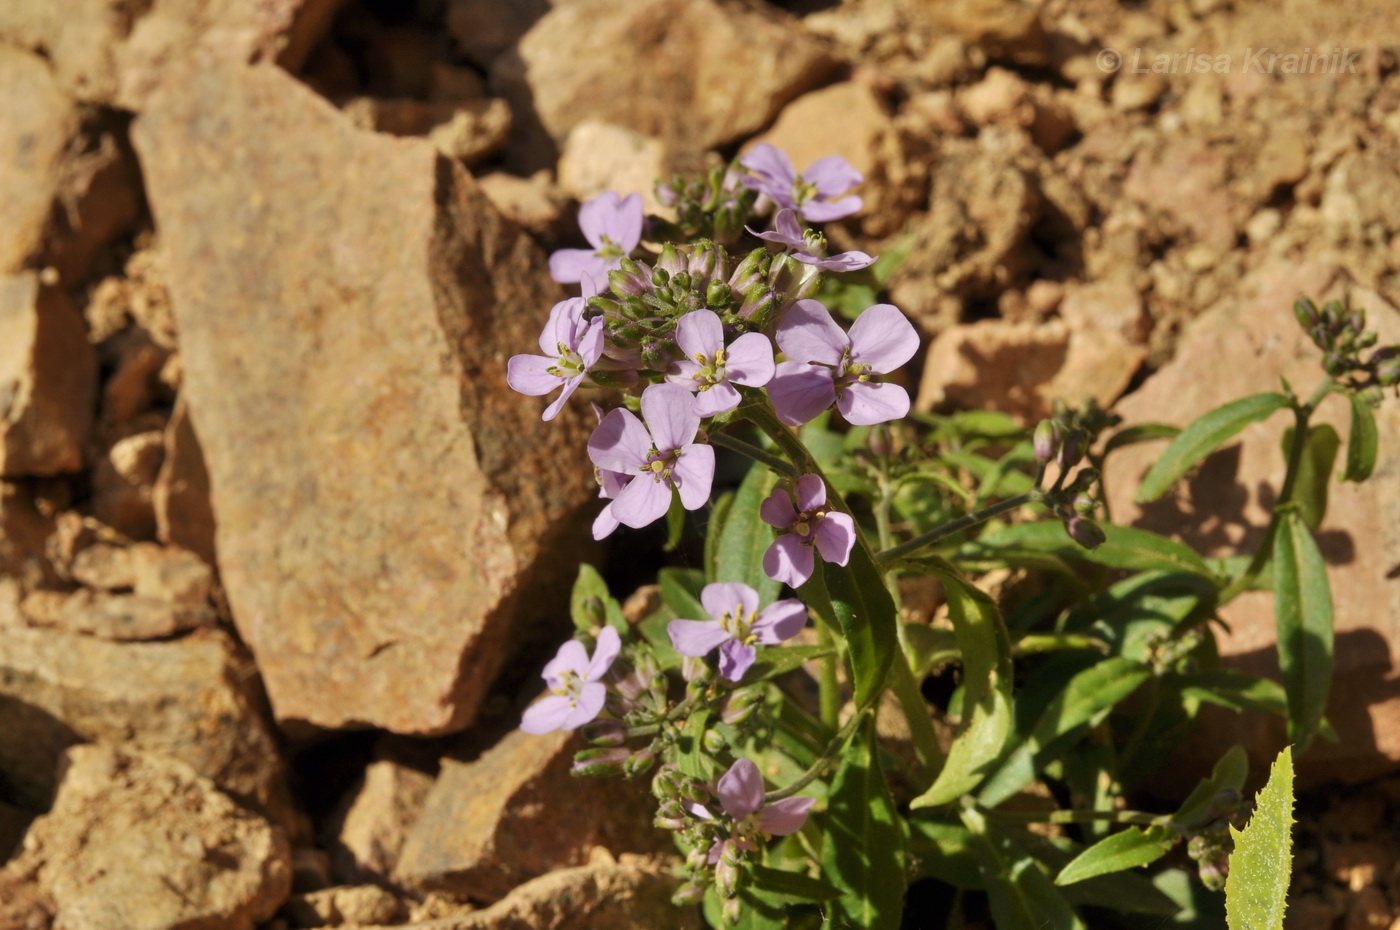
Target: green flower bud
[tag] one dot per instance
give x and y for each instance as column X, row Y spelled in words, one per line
column 605, row 732
column 671, row 261
column 1085, row 532
column 1045, row 441
column 713, row 742
column 1306, row 312
column 599, row 763
column 639, row 763
column 689, row 893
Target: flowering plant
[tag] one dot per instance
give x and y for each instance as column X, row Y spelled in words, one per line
column 794, row 812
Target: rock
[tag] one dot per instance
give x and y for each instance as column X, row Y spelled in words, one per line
column 1186, row 182
column 13, row 824
column 701, row 74
column 120, row 617
column 24, row 539
column 375, row 548
column 994, row 365
column 1001, row 96
column 601, row 157
column 189, row 699
column 469, row 131
column 22, row 905
column 846, row 119
column 355, row 905
column 632, row 893
column 184, row 515
column 36, row 125
column 534, row 203
column 373, row 824
column 170, row 575
column 123, row 484
column 140, row 841
column 484, row 29
column 98, row 200
column 105, row 567
column 48, row 377
column 1108, row 329
column 109, row 52
column 514, row 814
column 1226, row 503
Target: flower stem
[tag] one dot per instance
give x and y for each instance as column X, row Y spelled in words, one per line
column 888, row 556
column 1138, row 818
column 806, row 778
column 749, row 450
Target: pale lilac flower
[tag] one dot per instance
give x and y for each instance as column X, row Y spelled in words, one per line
column 571, row 346
column 575, row 693
column 815, row 193
column 610, row 484
column 711, row 369
column 808, row 245
column 826, row 364
column 613, row 226
column 740, row 793
column 809, row 524
column 658, row 452
column 735, row 626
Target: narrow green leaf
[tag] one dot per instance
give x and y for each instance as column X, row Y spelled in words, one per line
column 1235, row 690
column 930, row 647
column 1227, row 775
column 591, row 601
column 1126, row 547
column 719, row 515
column 779, row 886
column 744, row 537
column 985, row 646
column 1142, row 432
column 1127, row 892
column 1126, row 849
column 692, row 760
column 942, row 849
column 1303, row 617
column 1203, row 437
column 680, row 589
column 754, row 915
column 675, row 524
column 1256, row 891
column 866, row 613
column 779, row 660
column 1020, row 892
column 1362, row 441
column 1084, row 703
column 863, row 849
column 1314, row 471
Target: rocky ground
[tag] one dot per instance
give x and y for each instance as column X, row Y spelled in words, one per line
column 280, row 552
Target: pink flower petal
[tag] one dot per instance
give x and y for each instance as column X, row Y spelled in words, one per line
column 553, row 409
column 605, row 523
column 770, row 163
column 620, row 443
column 643, row 501
column 726, row 596
column 807, row 333
column 571, row 657
column 800, row 391
column 868, row 403
column 780, row 621
column 718, row 398
column 734, row 659
column 788, row 561
column 811, row 493
column 883, row 338
column 749, row 360
column 529, row 374
column 618, row 219
column 832, row 176
column 569, row 266
column 700, row 332
column 696, row 638
column 547, row 714
column 670, row 415
column 693, row 474
column 740, row 789
column 777, row 510
column 591, row 698
column 604, row 652
column 822, row 211
column 786, row 816
column 835, row 536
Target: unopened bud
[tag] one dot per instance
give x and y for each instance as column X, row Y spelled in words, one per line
column 670, row 816
column 666, row 193
column 671, row 261
column 741, row 705
column 718, row 294
column 689, row 893
column 1085, row 532
column 727, row 872
column 694, row 792
column 599, row 763
column 1045, row 441
column 713, row 742
column 705, row 260
column 605, row 732
column 731, row 910
column 1306, row 312
column 639, row 763
column 1388, row 372
column 1357, row 321
column 630, row 280
column 1071, row 449
column 1084, row 505
column 750, row 270
column 694, row 671
column 666, row 783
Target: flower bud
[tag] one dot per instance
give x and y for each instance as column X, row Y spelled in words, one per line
column 741, row 705
column 671, row 261
column 1306, row 312
column 1046, row 441
column 1357, row 321
column 705, row 260
column 1085, row 532
column 1071, row 449
column 713, row 742
column 670, row 816
column 727, row 872
column 694, row 792
column 694, row 669
column 750, row 271
column 599, row 763
column 731, row 910
column 689, row 893
column 605, row 732
column 1084, row 505
column 639, row 763
column 630, row 280
column 1388, row 372
column 666, row 783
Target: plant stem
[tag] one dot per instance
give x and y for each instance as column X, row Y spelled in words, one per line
column 829, row 688
column 806, row 778
column 749, row 450
column 1130, row 817
column 936, row 534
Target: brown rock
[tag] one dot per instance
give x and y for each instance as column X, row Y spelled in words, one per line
column 700, row 73
column 354, row 905
column 22, row 905
column 184, row 514
column 374, row 547
column 1241, row 348
column 48, row 378
column 484, row 29
column 113, row 53
column 994, row 365
column 630, row 894
column 123, row 484
column 141, row 841
column 98, row 199
column 376, row 820
column 171, row 575
column 1185, row 181
column 845, row 119
column 104, row 566
column 36, row 124
column 13, row 824
column 469, row 131
column 534, row 202
column 600, row 157
column 120, row 617
column 516, row 813
column 188, row 699
column 24, row 537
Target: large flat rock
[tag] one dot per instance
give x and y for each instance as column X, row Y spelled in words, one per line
column 346, row 304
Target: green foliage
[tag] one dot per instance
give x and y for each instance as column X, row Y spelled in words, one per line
column 1256, row 892
column 1125, row 849
column 863, row 846
column 1303, row 617
column 1362, row 441
column 743, row 537
column 1314, row 473
column 1203, row 437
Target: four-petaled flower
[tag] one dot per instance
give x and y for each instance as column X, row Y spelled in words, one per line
column 709, row 367
column 826, row 364
column 740, row 792
column 613, row 226
column 575, row 693
column 736, row 624
column 658, row 452
column 815, row 193
column 571, row 346
column 809, row 524
column 809, row 245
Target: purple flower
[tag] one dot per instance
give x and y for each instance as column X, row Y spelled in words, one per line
column 740, row 792
column 575, row 693
column 809, row 524
column 826, row 364
column 571, row 346
column 658, row 452
column 613, row 226
column 816, row 193
column 709, row 367
column 809, row 245
column 735, row 627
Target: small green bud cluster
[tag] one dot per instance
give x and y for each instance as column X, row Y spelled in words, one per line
column 714, row 205
column 1066, row 439
column 1340, row 332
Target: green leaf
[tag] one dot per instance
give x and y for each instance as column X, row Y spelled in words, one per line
column 1084, row 702
column 692, row 760
column 930, row 647
column 1256, row 891
column 1126, row 547
column 943, row 850
column 744, row 537
column 754, row 915
column 779, row 886
column 1142, row 432
column 1362, row 441
column 1228, row 774
column 863, row 849
column 1203, row 437
column 1314, row 471
column 1126, row 892
column 1020, row 892
column 866, row 613
column 675, row 523
column 985, row 646
column 590, row 601
column 680, row 589
column 779, row 660
column 1126, row 849
column 1235, row 690
column 1303, row 617
column 719, row 515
